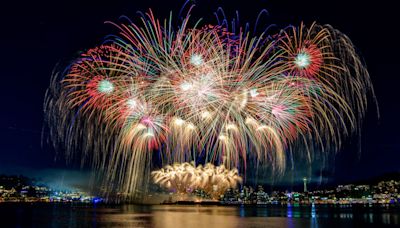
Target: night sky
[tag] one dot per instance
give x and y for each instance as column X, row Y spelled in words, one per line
column 36, row 36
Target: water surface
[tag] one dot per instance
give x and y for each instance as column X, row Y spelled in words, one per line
column 180, row 216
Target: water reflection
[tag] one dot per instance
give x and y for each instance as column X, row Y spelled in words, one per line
column 49, row 215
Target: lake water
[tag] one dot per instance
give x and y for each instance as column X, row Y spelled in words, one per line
column 177, row 216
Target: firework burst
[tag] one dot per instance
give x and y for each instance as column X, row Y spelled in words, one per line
column 205, row 93
column 185, row 177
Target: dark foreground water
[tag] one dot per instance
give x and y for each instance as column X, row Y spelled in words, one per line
column 67, row 215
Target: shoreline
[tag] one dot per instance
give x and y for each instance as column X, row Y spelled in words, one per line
column 218, row 204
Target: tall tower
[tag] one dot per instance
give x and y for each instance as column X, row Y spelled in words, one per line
column 305, row 184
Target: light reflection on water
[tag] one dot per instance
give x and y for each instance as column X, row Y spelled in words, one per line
column 59, row 215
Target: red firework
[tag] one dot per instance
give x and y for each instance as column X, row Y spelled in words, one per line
column 308, row 60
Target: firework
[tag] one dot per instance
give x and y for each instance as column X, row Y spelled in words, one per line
column 185, row 178
column 205, row 93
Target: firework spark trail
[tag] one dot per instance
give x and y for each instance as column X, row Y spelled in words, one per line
column 206, row 92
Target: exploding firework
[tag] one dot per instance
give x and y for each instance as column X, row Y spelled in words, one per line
column 184, row 178
column 205, row 93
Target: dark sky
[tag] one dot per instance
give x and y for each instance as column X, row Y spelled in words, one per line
column 38, row 35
